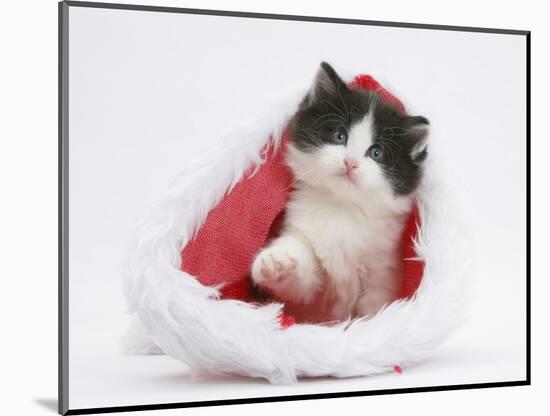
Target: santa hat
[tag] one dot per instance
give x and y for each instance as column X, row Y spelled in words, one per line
column 188, row 275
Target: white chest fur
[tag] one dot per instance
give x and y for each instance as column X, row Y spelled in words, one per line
column 356, row 245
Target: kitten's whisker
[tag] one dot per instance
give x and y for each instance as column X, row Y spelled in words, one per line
column 337, row 122
column 299, row 178
column 335, row 118
column 343, row 101
column 387, row 139
column 393, row 133
column 335, row 107
column 386, row 148
column 331, row 114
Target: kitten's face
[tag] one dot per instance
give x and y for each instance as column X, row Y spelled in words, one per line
column 354, row 143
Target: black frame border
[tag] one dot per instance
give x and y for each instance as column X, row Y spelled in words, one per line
column 63, row 204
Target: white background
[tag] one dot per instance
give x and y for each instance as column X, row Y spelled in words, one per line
column 151, row 91
column 30, row 275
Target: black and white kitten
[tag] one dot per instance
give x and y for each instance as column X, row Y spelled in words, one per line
column 357, row 161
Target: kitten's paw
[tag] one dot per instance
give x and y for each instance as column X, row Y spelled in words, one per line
column 273, row 265
column 287, row 269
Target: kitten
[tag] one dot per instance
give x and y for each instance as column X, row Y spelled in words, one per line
column 357, row 162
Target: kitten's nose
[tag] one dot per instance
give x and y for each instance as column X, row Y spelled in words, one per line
column 350, row 164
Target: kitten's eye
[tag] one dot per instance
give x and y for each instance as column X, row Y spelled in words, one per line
column 340, row 136
column 375, row 152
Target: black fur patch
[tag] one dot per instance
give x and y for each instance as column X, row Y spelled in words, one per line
column 331, row 106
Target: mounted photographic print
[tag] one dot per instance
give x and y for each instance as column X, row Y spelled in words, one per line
column 263, row 207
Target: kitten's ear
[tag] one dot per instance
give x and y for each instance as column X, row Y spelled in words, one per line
column 418, row 129
column 327, row 84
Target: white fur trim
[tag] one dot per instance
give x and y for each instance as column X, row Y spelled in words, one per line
column 189, row 322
